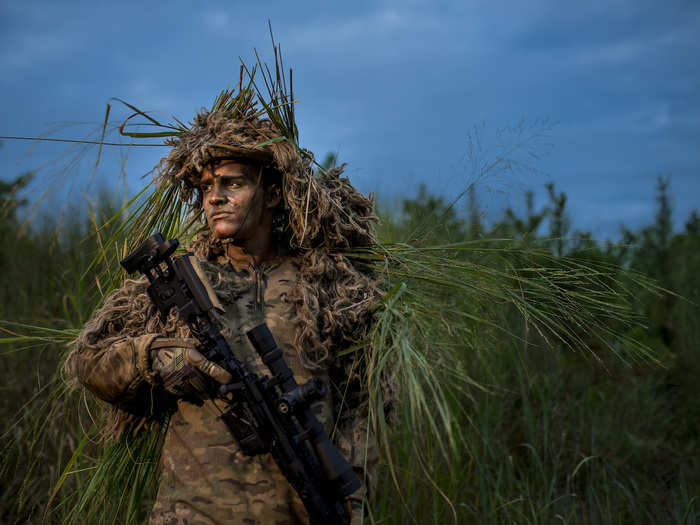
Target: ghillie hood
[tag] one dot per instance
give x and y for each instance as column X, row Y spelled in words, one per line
column 321, row 208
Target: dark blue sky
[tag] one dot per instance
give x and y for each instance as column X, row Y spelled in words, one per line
column 598, row 97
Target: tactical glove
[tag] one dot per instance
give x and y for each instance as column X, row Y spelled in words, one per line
column 182, row 369
column 355, row 510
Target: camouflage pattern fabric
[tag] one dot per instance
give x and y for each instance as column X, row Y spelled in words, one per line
column 205, row 477
column 182, row 370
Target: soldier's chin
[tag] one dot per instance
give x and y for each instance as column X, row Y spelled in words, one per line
column 223, row 231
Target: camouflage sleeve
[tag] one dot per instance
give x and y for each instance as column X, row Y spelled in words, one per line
column 358, row 444
column 111, row 358
column 117, row 372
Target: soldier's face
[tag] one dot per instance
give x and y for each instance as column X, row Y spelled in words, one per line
column 235, row 203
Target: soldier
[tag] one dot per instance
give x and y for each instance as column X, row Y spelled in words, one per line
column 271, row 250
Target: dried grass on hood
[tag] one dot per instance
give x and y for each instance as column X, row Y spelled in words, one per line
column 322, row 207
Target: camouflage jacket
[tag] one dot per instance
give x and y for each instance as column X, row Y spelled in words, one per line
column 204, row 476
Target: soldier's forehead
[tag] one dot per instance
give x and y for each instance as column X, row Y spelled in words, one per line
column 228, row 167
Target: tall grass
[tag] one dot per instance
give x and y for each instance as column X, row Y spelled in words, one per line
column 535, row 431
column 528, row 390
column 555, row 426
column 50, row 445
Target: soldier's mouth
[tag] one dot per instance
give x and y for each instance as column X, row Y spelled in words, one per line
column 220, row 215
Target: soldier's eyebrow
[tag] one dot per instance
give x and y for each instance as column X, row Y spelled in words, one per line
column 209, row 179
column 238, row 171
column 233, row 178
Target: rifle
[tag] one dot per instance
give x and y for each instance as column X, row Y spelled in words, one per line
column 264, row 415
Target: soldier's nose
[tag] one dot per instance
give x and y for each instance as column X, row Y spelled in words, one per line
column 216, row 195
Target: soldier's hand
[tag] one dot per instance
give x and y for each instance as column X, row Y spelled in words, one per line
column 182, row 368
column 354, row 509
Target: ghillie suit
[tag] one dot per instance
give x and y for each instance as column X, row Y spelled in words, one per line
column 328, row 298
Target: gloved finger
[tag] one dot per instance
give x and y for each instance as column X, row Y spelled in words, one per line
column 162, row 358
column 201, row 363
column 355, row 510
column 165, row 351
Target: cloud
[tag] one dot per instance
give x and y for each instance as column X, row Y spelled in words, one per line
column 34, row 34
column 216, row 20
column 609, row 54
column 624, row 51
column 661, row 118
column 380, row 24
column 32, row 49
column 149, row 96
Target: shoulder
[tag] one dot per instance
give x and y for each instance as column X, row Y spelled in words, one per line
column 124, row 312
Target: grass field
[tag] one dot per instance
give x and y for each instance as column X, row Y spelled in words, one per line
column 544, row 432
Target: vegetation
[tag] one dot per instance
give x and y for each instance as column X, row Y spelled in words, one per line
column 545, row 432
column 562, row 436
